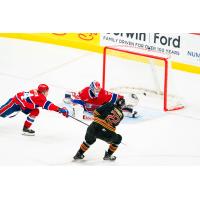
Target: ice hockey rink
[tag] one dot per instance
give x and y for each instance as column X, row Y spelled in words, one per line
column 156, row 138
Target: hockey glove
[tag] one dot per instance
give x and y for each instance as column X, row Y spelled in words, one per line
column 63, row 111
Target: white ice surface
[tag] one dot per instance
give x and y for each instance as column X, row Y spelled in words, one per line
column 156, row 138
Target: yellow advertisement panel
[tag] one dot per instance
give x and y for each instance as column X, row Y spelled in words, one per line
column 86, row 41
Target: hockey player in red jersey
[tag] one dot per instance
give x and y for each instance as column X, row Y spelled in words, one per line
column 94, row 96
column 29, row 103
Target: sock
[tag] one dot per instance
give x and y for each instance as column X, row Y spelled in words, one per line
column 29, row 121
column 84, row 147
column 112, row 149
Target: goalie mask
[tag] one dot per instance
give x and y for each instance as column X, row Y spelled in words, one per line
column 94, row 89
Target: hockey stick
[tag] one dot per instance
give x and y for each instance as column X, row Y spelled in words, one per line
column 78, row 120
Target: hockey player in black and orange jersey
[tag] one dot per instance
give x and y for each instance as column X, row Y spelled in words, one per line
column 106, row 118
column 28, row 103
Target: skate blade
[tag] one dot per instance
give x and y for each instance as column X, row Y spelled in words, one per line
column 109, row 159
column 28, row 134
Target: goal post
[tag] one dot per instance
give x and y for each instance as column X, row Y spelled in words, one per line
column 139, row 63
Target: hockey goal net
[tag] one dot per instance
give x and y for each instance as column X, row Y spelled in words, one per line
column 142, row 72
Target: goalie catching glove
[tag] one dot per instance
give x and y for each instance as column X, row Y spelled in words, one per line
column 64, row 111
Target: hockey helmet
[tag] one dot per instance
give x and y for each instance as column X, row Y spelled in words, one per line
column 95, row 88
column 120, row 103
column 43, row 88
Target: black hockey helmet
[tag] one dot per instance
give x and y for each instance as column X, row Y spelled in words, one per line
column 120, row 103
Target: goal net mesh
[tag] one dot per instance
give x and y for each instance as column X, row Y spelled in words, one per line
column 144, row 73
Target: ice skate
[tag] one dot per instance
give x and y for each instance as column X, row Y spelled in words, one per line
column 78, row 156
column 28, row 132
column 107, row 156
column 135, row 114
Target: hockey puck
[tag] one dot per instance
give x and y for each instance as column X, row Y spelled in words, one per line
column 145, row 94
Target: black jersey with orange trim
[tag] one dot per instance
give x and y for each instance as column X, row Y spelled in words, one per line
column 108, row 115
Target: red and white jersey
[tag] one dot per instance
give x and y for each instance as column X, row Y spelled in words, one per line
column 91, row 102
column 32, row 99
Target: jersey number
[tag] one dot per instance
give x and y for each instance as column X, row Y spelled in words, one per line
column 113, row 118
column 26, row 95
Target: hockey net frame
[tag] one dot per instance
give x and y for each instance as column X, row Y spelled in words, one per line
column 166, row 69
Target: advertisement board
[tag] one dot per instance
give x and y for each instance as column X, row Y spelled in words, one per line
column 184, row 47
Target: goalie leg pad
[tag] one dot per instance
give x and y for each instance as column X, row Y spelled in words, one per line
column 131, row 99
column 67, row 98
column 129, row 112
column 78, row 111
